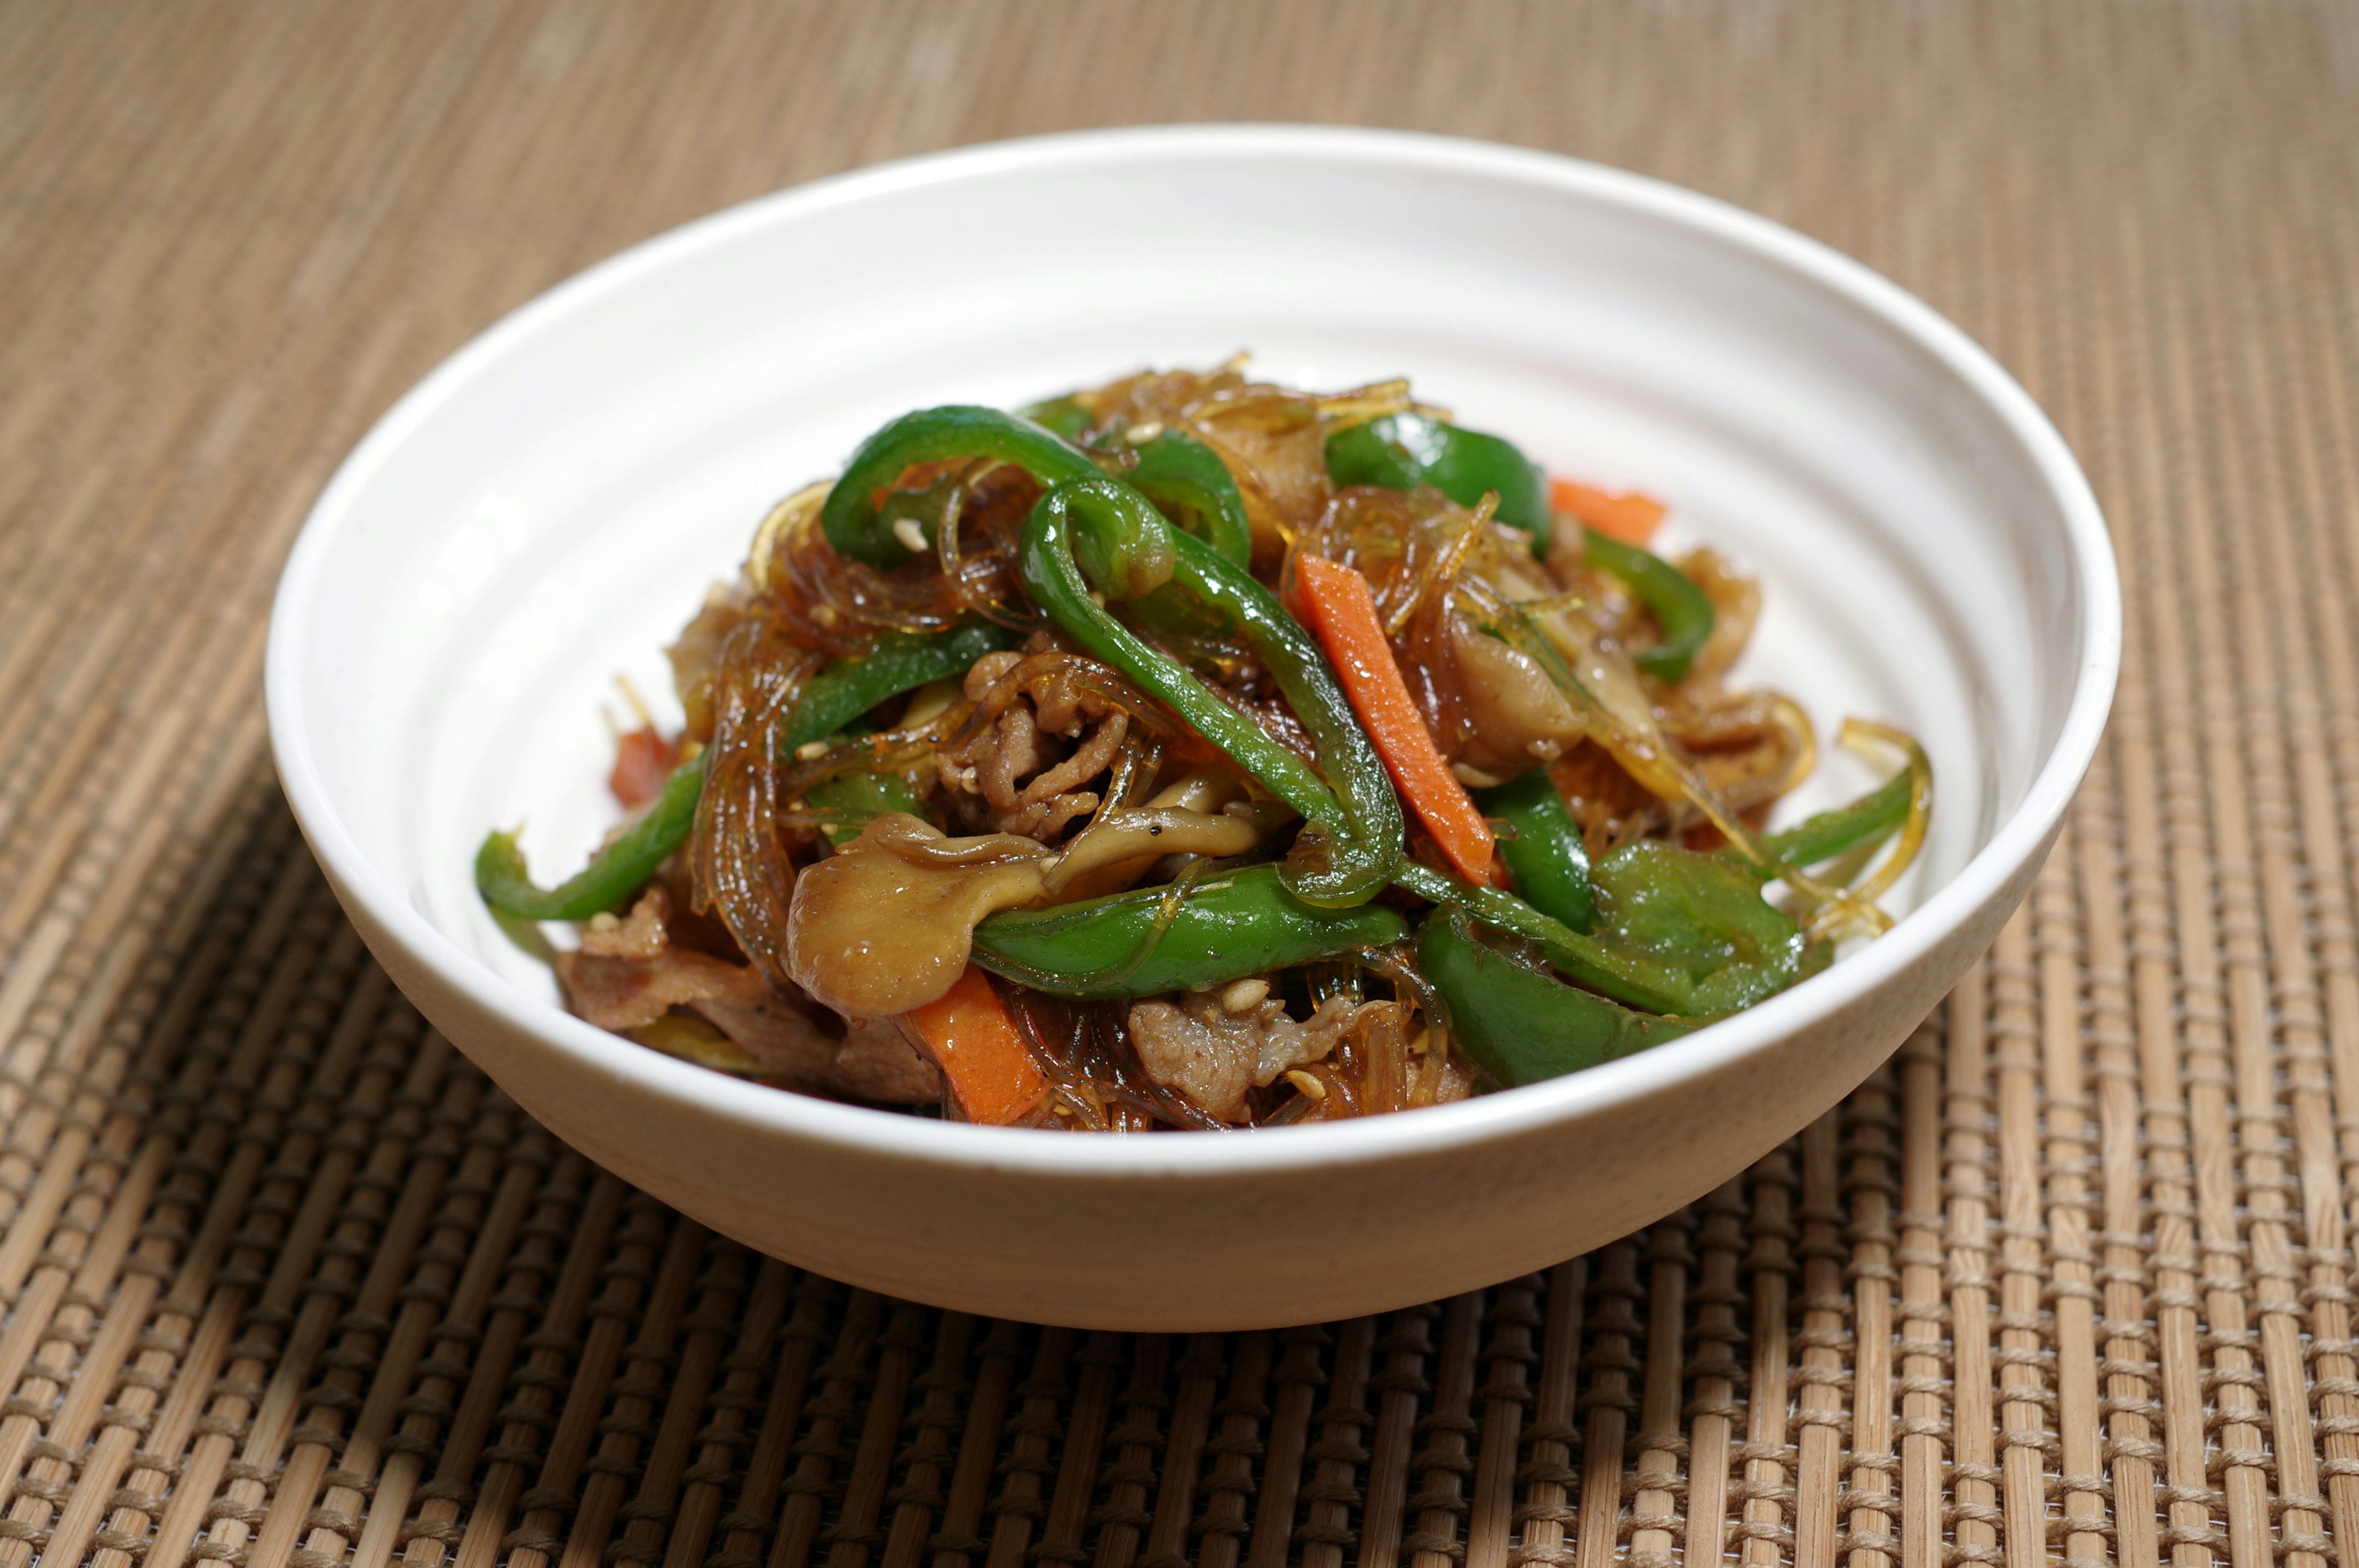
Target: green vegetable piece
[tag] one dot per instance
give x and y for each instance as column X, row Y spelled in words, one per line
column 1519, row 1025
column 1101, row 532
column 1184, row 478
column 1189, row 484
column 613, row 874
column 858, row 797
column 1698, row 915
column 1872, row 816
column 1546, row 857
column 1580, row 956
column 896, row 662
column 1233, row 924
column 833, row 698
column 1680, row 608
column 1064, row 415
column 1408, row 449
column 851, row 518
column 1742, row 969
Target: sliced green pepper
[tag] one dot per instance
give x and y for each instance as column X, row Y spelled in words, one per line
column 1103, row 532
column 856, row 797
column 851, row 518
column 896, row 662
column 613, row 874
column 1174, row 470
column 1169, row 938
column 1519, row 1025
column 1676, row 931
column 1580, row 956
column 1064, row 415
column 1189, row 484
column 1546, row 856
column 1733, row 959
column 1700, row 915
column 1836, row 832
column 1408, row 449
column 1681, row 611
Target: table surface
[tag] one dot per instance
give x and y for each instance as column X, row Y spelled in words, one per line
column 287, row 1281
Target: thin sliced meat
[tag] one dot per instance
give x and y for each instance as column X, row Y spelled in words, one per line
column 876, row 1061
column 624, row 993
column 643, row 935
column 869, row 1061
column 1213, row 1056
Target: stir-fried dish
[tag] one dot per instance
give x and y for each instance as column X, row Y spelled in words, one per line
column 1195, row 752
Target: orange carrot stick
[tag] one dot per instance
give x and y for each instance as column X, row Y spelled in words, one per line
column 970, row 1036
column 1631, row 517
column 1341, row 612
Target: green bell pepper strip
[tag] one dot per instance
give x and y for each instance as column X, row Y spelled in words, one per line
column 1680, row 609
column 1691, row 978
column 1576, row 954
column 851, row 518
column 1103, row 532
column 1177, row 471
column 1670, row 905
column 1546, row 857
column 1408, row 450
column 857, row 798
column 1230, row 926
column 1872, row 816
column 1064, row 415
column 1700, row 915
column 613, row 874
column 1519, row 1025
column 896, row 662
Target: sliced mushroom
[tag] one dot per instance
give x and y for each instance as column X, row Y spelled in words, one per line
column 885, row 925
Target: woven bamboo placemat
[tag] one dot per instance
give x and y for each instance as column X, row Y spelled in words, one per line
column 288, row 1283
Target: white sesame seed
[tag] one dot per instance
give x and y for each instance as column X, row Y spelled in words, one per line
column 1242, row 996
column 811, row 750
column 1139, row 435
column 905, row 529
column 1311, row 1086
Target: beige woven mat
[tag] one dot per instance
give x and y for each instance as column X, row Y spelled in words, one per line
column 288, row 1283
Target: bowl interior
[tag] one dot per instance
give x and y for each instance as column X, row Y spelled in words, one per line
column 544, row 514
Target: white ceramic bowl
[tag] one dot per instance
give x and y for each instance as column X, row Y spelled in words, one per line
column 546, row 510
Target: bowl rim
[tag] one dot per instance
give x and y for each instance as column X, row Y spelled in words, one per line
column 853, row 1129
